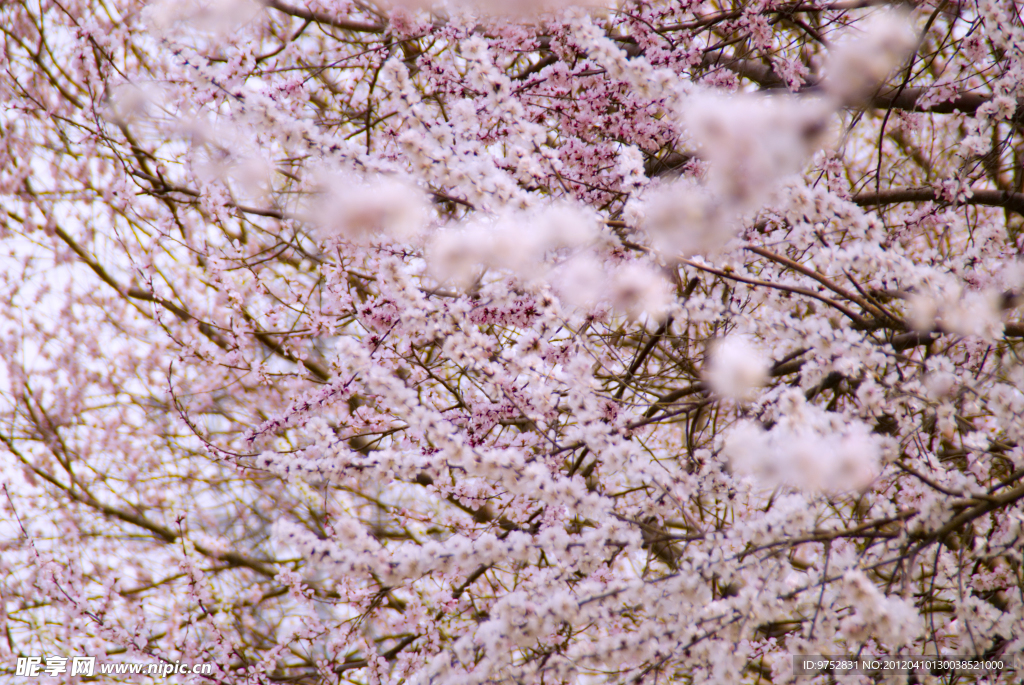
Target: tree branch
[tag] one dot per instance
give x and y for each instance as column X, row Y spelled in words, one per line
column 1013, row 202
column 321, row 18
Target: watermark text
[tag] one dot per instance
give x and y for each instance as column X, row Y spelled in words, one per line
column 34, row 666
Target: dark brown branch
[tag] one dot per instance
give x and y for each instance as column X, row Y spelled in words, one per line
column 828, row 283
column 889, row 97
column 1013, row 202
column 389, row 655
column 858, row 321
column 321, row 18
column 990, row 504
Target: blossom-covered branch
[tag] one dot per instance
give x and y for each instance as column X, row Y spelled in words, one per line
column 531, row 342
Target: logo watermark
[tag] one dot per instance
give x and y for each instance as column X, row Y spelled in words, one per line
column 35, row 666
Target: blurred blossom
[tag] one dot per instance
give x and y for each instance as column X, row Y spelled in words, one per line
column 520, row 241
column 504, row 10
column 229, row 158
column 808, row 447
column 563, row 225
column 892, row 620
column 253, row 174
column 130, row 103
column 456, row 255
column 940, row 384
column 975, row 313
column 637, row 289
column 737, row 368
column 358, row 208
column 860, row 63
column 922, row 311
column 682, row 219
column 634, row 289
column 580, row 281
column 214, row 16
column 946, row 307
column 753, row 142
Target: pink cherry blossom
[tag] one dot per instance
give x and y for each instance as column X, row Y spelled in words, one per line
column 532, row 342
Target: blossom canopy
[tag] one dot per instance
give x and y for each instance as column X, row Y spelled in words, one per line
column 399, row 342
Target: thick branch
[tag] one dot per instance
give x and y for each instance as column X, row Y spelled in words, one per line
column 321, row 18
column 990, row 504
column 1013, row 202
column 889, row 97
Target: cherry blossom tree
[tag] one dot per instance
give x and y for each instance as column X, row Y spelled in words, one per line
column 511, row 342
